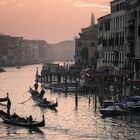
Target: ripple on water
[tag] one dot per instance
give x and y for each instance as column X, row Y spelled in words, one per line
column 68, row 122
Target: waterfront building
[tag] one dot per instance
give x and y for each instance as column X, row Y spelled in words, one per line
column 10, row 50
column 34, row 51
column 133, row 36
column 86, row 45
column 25, row 53
column 103, row 33
column 111, row 36
column 15, row 51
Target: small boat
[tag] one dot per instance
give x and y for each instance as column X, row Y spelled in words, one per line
column 48, row 104
column 131, row 103
column 2, row 69
column 18, row 67
column 112, row 111
column 70, row 89
column 42, row 102
column 46, row 86
column 107, row 103
column 20, row 121
column 3, row 99
column 58, row 88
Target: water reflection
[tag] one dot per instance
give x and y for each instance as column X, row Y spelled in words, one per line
column 15, row 132
column 68, row 122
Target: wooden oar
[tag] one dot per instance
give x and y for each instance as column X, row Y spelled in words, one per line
column 26, row 100
column 26, row 91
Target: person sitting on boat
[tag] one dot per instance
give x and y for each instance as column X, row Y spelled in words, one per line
column 30, row 119
column 14, row 117
column 41, row 95
column 8, row 105
column 45, row 100
column 36, row 86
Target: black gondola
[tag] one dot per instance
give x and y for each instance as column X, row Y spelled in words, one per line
column 21, row 121
column 3, row 99
column 42, row 102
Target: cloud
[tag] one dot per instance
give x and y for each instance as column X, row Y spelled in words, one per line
column 104, row 4
column 17, row 3
column 3, row 2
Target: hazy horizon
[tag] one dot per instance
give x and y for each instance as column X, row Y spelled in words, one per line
column 50, row 20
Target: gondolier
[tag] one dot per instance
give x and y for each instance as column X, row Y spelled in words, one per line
column 41, row 94
column 36, row 86
column 8, row 105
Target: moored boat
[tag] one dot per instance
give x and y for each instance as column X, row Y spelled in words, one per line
column 131, row 103
column 112, row 111
column 20, row 121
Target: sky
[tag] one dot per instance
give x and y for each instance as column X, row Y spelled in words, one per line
column 50, row 20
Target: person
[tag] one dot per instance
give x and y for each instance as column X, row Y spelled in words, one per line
column 36, row 86
column 45, row 100
column 8, row 105
column 14, row 117
column 30, row 119
column 41, row 95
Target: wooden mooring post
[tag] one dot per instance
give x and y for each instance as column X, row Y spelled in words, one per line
column 76, row 95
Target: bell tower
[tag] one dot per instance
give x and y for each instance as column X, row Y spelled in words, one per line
column 92, row 19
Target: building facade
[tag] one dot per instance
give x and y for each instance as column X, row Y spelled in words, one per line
column 86, row 45
column 133, row 36
column 15, row 51
column 111, row 36
column 119, row 36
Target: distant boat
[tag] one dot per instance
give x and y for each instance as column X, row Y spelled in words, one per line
column 2, row 69
column 131, row 103
column 18, row 67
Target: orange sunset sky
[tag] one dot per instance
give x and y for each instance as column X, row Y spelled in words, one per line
column 50, row 20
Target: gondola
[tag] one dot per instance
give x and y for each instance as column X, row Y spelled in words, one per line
column 21, row 121
column 48, row 104
column 3, row 99
column 42, row 102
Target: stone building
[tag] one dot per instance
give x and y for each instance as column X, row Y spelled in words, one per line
column 103, row 33
column 10, row 50
column 132, row 17
column 86, row 45
column 15, row 51
column 111, row 36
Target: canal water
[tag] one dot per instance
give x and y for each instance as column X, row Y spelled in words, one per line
column 65, row 123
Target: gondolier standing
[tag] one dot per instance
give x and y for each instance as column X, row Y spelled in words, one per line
column 36, row 86
column 8, row 105
column 41, row 95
